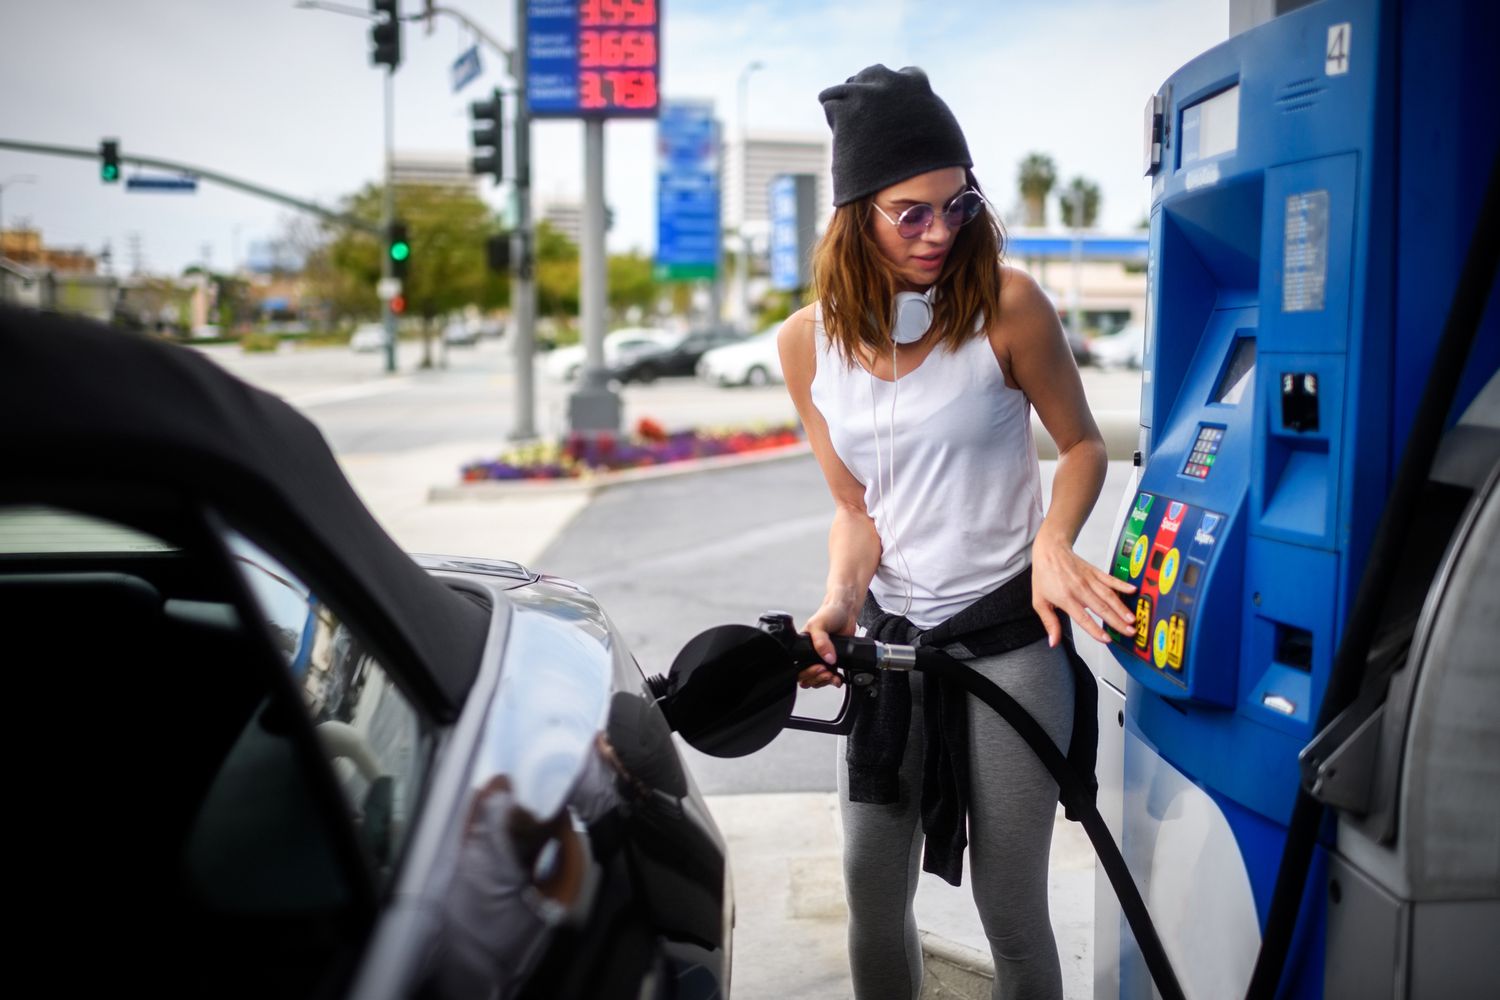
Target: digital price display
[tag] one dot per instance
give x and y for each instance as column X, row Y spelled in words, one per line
column 593, row 58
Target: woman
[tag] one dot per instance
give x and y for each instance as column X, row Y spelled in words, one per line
column 914, row 373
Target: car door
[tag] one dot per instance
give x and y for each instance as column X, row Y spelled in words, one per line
column 232, row 790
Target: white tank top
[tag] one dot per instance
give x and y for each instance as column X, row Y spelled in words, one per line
column 967, row 501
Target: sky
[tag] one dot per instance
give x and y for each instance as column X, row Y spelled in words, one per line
column 286, row 97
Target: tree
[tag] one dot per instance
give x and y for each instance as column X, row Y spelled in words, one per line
column 1038, row 175
column 1080, row 203
column 631, row 283
column 556, row 272
column 447, row 227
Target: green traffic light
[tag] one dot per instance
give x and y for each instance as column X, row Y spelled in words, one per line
column 400, row 251
column 109, row 172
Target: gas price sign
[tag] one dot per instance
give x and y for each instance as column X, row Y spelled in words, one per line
column 593, row 58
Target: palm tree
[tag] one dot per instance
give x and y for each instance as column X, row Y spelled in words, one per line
column 1038, row 175
column 1084, row 194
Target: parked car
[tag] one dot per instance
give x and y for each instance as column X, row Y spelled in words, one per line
column 1079, row 345
column 754, row 361
column 565, row 363
column 367, row 337
column 460, row 333
column 1123, row 349
column 331, row 768
column 678, row 358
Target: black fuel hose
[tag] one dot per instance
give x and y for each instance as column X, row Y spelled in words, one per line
column 1078, row 798
column 1464, row 316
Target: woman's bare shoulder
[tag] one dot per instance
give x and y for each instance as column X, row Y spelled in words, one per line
column 1020, row 295
column 797, row 329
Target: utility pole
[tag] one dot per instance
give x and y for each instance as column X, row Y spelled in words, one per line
column 593, row 407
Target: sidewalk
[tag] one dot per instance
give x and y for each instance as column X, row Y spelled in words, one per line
column 784, row 848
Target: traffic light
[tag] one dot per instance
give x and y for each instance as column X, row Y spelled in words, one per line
column 488, row 147
column 109, row 161
column 399, row 249
column 385, row 35
column 497, row 252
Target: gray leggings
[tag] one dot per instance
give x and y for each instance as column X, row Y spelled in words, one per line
column 1012, row 805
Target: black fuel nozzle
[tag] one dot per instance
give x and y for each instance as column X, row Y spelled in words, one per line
column 858, row 659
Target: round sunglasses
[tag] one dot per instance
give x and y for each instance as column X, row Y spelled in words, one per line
column 961, row 209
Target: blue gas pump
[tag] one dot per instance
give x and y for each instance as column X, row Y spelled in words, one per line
column 1315, row 186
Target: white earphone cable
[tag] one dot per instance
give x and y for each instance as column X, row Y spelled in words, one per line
column 888, row 495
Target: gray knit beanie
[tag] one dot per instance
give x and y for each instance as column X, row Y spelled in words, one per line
column 887, row 126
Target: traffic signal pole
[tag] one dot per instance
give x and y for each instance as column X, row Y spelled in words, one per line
column 388, row 216
column 237, row 184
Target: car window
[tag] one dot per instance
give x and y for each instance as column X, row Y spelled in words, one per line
column 376, row 740
column 37, row 530
column 182, row 774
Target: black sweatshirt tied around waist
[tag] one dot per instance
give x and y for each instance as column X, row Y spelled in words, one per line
column 1001, row 621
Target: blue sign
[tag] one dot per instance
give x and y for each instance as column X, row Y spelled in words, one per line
column 687, row 217
column 792, row 210
column 593, row 58
column 466, row 68
column 161, row 184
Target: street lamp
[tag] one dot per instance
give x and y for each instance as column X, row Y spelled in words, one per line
column 742, row 265
column 13, row 179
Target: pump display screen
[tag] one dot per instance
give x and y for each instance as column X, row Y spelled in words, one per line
column 1238, row 375
column 1211, row 128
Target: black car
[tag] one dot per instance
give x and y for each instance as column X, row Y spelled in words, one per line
column 679, row 359
column 276, row 755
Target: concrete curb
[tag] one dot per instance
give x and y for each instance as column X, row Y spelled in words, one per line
column 492, row 489
column 1120, row 429
column 952, row 971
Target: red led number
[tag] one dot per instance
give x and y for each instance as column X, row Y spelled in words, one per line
column 616, row 48
column 616, row 13
column 616, row 89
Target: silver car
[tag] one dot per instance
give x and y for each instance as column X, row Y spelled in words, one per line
column 279, row 756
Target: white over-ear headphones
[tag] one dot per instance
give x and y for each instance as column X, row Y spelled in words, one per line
column 913, row 316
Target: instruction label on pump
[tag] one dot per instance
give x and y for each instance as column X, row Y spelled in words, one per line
column 1304, row 252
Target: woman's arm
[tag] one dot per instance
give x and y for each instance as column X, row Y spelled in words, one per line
column 1030, row 338
column 853, row 542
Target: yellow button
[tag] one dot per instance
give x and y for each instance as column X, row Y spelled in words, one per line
column 1169, row 572
column 1159, row 644
column 1138, row 556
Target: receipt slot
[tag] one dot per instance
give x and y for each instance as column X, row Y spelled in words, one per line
column 1313, row 185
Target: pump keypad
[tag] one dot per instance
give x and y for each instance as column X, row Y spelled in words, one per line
column 1205, row 452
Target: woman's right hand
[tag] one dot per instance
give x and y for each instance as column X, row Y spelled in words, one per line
column 835, row 617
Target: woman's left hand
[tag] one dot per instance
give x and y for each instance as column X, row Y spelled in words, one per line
column 1062, row 581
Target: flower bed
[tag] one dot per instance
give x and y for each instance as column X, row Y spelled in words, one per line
column 581, row 455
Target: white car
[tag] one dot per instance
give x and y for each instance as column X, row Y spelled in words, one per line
column 750, row 362
column 461, row 333
column 565, row 363
column 1124, row 349
column 367, row 337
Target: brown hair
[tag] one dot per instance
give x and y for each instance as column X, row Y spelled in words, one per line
column 857, row 285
